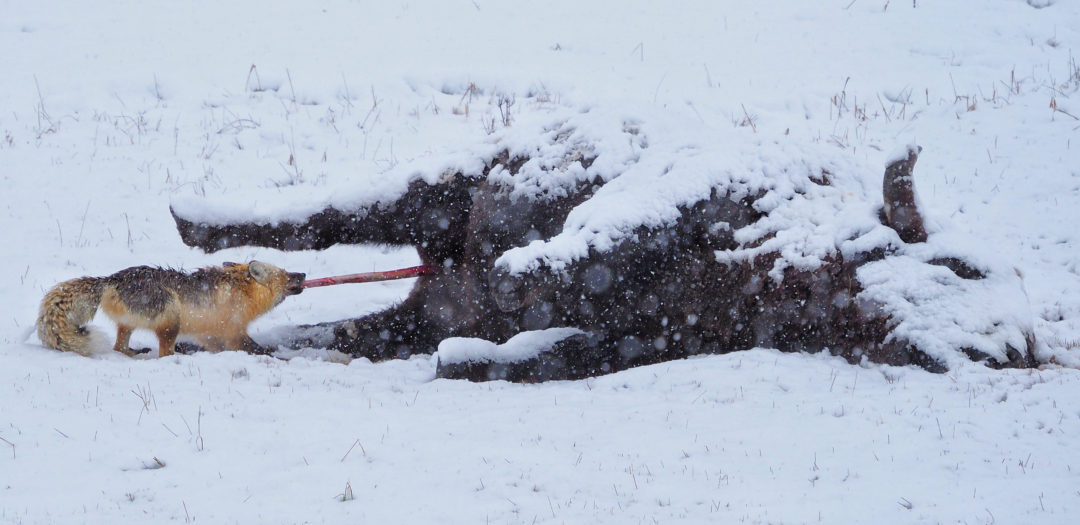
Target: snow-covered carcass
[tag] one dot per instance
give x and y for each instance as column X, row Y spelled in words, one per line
column 579, row 242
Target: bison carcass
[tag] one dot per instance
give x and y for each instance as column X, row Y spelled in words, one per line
column 579, row 243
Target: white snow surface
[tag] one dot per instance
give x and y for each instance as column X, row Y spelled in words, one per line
column 112, row 112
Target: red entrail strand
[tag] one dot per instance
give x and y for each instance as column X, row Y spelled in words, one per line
column 370, row 277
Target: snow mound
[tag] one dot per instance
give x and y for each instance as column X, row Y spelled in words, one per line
column 521, row 347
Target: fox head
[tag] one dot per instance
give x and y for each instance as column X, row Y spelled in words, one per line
column 281, row 283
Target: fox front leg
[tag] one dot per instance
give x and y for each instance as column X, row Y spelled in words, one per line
column 167, row 339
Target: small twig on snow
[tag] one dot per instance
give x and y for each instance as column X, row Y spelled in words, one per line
column 12, row 447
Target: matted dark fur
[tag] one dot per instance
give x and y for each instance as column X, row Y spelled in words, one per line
column 659, row 297
column 147, row 290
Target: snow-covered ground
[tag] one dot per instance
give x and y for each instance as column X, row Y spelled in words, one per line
column 110, row 112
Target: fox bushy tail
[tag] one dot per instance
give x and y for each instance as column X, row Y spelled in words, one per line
column 65, row 311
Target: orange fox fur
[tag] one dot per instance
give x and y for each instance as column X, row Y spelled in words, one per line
column 212, row 306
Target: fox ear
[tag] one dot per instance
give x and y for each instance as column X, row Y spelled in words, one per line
column 228, row 264
column 259, row 271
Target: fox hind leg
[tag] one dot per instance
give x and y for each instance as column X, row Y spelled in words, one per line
column 123, row 338
column 123, row 342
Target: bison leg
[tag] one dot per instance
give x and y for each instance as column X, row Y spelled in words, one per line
column 431, row 217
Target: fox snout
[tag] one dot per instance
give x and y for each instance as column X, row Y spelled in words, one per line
column 294, row 283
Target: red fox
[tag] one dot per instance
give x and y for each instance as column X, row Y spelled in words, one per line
column 213, row 306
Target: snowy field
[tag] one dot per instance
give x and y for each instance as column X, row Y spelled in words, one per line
column 112, row 111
